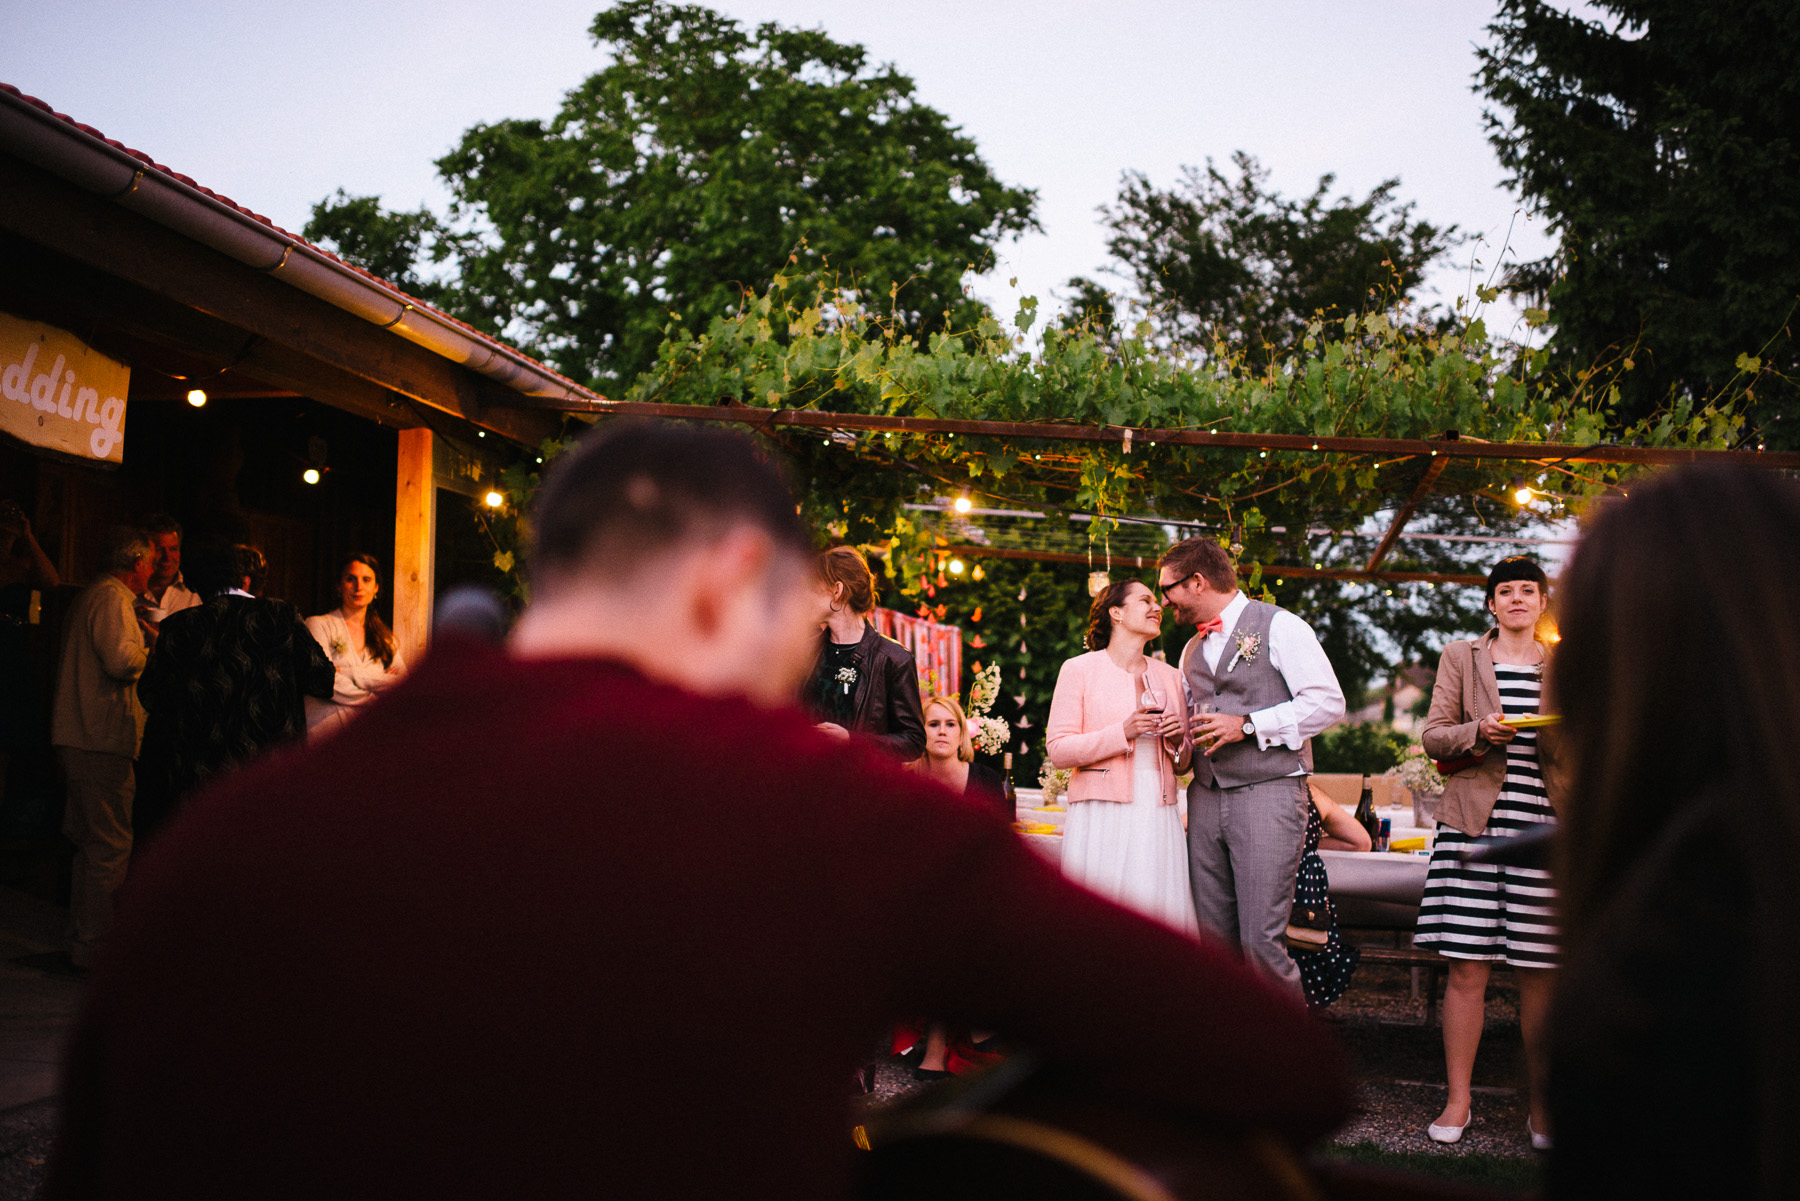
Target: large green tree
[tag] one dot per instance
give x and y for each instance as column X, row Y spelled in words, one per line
column 1660, row 141
column 703, row 160
column 1227, row 258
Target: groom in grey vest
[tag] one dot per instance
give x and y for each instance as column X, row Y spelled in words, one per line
column 1259, row 687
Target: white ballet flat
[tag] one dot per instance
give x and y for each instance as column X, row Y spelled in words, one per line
column 1448, row 1134
column 1539, row 1142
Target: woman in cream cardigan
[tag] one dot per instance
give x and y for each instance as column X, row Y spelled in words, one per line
column 1119, row 720
column 360, row 645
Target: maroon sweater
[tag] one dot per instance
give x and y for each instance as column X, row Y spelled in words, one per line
column 544, row 929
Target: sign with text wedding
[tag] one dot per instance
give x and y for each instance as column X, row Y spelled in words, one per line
column 60, row 393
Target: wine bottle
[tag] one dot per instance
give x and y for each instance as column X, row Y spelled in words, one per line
column 1007, row 789
column 1365, row 811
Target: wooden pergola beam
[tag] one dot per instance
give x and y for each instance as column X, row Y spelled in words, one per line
column 1455, row 448
column 1141, row 561
column 1432, row 470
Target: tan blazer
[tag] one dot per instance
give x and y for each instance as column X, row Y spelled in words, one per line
column 103, row 655
column 1467, row 691
column 1086, row 730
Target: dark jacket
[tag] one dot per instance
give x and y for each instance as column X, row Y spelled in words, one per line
column 226, row 682
column 477, row 945
column 886, row 702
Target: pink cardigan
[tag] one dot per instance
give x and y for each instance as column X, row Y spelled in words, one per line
column 1087, row 727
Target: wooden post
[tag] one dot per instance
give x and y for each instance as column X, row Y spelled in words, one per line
column 415, row 543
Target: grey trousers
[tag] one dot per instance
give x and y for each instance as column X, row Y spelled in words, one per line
column 1244, row 847
column 97, row 819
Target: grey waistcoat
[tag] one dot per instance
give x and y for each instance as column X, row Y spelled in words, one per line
column 1246, row 688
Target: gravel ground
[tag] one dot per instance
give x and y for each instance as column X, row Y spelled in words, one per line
column 25, row 1133
column 1399, row 1065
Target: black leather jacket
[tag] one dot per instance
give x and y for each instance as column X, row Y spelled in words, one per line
column 886, row 703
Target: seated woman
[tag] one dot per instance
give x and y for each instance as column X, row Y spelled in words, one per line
column 1325, row 969
column 1674, row 1065
column 950, row 757
column 1119, row 719
column 950, row 760
column 359, row 644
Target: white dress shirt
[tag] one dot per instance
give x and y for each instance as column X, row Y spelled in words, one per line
column 1295, row 653
column 176, row 597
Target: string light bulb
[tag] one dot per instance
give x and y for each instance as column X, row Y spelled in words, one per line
column 494, row 498
column 310, row 475
column 1521, row 492
column 962, row 504
column 196, row 397
column 956, row 567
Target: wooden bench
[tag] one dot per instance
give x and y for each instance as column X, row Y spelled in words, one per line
column 1399, row 952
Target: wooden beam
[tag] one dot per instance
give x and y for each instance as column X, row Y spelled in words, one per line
column 1432, row 470
column 91, row 230
column 1270, row 569
column 1141, row 438
column 415, row 543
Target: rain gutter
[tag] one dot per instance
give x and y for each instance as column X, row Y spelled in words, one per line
column 90, row 162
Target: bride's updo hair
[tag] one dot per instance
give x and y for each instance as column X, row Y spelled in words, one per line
column 1099, row 624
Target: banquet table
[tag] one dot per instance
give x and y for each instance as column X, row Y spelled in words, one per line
column 1368, row 888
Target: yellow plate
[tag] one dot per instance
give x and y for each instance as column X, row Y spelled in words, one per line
column 1531, row 721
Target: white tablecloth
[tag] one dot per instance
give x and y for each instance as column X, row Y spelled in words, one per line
column 1396, row 878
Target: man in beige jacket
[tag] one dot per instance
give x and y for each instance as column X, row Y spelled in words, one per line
column 96, row 726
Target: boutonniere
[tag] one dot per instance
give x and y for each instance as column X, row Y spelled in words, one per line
column 1247, row 647
column 339, row 646
column 847, row 677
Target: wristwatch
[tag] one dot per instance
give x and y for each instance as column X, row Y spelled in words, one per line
column 1249, row 728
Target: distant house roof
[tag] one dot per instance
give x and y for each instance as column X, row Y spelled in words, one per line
column 81, row 154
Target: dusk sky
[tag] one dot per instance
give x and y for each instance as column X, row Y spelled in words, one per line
column 278, row 105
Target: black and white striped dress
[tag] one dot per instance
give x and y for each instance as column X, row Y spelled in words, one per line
column 1488, row 911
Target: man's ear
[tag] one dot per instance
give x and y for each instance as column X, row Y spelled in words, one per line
column 723, row 574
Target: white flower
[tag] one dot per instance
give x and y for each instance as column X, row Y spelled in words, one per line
column 847, row 677
column 1247, row 647
column 985, row 690
column 1418, row 772
column 989, row 734
column 1054, row 781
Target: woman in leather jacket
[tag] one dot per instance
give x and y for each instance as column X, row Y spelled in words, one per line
column 862, row 683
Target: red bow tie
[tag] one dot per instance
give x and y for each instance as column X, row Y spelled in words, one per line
column 1208, row 627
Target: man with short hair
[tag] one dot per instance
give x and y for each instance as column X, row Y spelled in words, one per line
column 550, row 909
column 1271, row 688
column 96, row 726
column 228, row 682
column 168, row 591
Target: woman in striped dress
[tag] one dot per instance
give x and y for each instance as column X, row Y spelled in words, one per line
column 1478, row 914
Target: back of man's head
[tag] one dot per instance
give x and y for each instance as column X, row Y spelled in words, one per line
column 124, row 548
column 215, row 565
column 636, row 491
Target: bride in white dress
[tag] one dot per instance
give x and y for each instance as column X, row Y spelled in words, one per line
column 1118, row 720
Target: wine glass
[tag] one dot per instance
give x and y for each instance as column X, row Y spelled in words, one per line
column 1201, row 710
